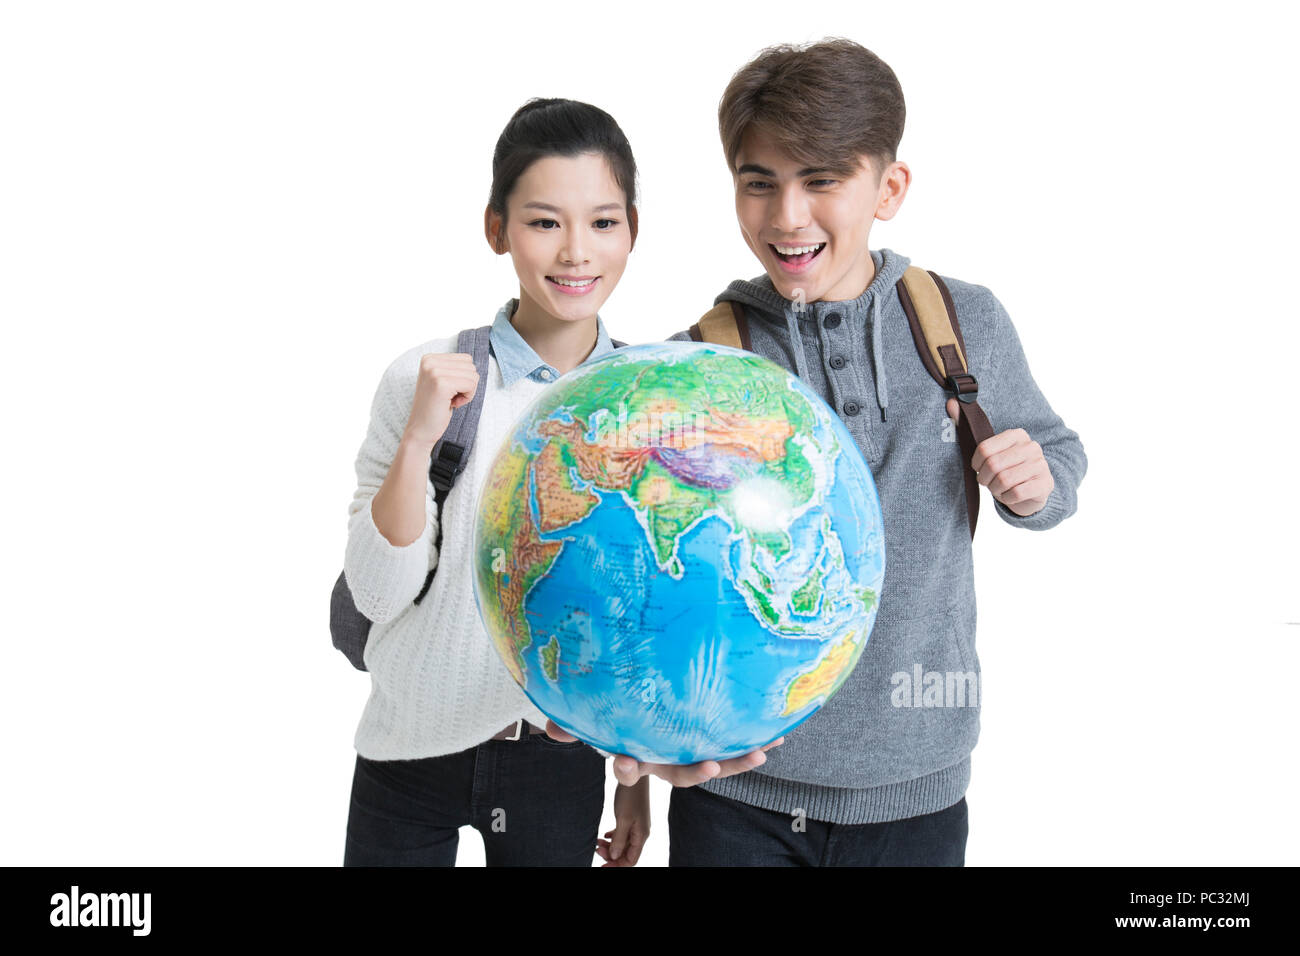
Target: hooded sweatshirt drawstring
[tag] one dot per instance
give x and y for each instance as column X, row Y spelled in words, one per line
column 878, row 355
column 796, row 341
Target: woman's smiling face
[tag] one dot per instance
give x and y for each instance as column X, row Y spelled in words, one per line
column 569, row 232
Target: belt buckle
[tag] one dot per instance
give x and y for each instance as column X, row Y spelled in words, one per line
column 519, row 730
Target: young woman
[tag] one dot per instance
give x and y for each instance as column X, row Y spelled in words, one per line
column 447, row 738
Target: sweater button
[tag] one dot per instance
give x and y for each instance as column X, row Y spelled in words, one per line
column 837, row 361
column 831, row 321
column 851, row 408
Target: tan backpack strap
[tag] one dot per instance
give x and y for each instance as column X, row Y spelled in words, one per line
column 926, row 303
column 724, row 324
column 930, row 312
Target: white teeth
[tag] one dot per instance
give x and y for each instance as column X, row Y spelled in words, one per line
column 560, row 281
column 797, row 250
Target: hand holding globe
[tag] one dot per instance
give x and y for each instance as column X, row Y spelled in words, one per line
column 628, row 770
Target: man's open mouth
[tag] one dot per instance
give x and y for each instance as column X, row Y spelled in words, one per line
column 797, row 255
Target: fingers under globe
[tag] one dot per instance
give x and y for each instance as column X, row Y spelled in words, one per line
column 741, row 764
column 555, row 732
column 627, row 770
column 691, row 774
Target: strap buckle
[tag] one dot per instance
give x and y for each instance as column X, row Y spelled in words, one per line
column 519, row 730
column 955, row 384
column 443, row 468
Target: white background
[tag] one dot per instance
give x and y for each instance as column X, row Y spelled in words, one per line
column 220, row 222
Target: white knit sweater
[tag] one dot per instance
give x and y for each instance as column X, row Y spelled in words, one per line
column 437, row 683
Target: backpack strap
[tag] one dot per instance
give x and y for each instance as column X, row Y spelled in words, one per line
column 724, row 324
column 451, row 453
column 617, row 344
column 930, row 312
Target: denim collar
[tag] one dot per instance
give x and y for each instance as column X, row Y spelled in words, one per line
column 516, row 358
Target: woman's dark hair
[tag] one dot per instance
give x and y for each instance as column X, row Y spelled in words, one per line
column 557, row 127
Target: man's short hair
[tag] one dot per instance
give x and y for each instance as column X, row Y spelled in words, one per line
column 825, row 105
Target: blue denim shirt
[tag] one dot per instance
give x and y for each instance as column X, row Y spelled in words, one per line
column 516, row 358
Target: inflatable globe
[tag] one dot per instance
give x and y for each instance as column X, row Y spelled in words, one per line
column 679, row 552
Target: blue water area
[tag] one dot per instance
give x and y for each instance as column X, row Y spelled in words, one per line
column 857, row 516
column 666, row 669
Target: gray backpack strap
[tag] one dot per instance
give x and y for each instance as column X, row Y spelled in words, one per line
column 617, row 344
column 349, row 628
column 451, row 454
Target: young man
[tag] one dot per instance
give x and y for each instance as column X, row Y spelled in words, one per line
column 810, row 136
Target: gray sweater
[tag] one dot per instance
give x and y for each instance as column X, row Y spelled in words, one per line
column 895, row 741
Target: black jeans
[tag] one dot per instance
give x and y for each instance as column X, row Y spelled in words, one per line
column 705, row 829
column 536, row 802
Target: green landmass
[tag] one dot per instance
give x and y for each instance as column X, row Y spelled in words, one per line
column 764, row 605
column 551, row 658
column 804, row 600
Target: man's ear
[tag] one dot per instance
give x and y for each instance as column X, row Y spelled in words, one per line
column 494, row 230
column 892, row 190
column 632, row 225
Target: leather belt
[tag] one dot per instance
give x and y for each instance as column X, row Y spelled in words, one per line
column 515, row 730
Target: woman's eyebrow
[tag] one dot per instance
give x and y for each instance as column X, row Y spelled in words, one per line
column 549, row 208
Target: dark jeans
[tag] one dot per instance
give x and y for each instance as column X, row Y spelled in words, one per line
column 705, row 829
column 536, row 802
